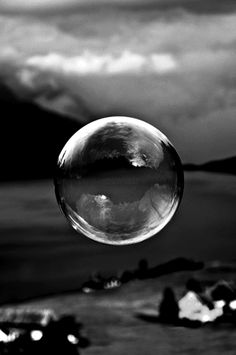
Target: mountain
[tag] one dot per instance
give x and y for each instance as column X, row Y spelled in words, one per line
column 227, row 166
column 31, row 138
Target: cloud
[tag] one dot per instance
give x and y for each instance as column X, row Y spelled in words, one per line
column 91, row 63
column 156, row 86
column 188, row 104
column 195, row 6
column 177, row 72
column 25, row 6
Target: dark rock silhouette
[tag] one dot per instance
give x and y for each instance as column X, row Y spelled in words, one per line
column 168, row 308
column 222, row 290
column 175, row 265
column 142, row 270
column 141, row 273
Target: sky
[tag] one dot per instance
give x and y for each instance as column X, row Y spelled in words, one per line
column 171, row 63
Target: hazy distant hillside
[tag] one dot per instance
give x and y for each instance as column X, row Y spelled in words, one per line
column 227, row 165
column 30, row 138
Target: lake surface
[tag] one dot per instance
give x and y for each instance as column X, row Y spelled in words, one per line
column 40, row 253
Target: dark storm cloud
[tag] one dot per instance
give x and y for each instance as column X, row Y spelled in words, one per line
column 57, row 6
column 193, row 6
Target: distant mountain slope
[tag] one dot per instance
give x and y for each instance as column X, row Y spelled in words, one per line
column 30, row 138
column 227, row 166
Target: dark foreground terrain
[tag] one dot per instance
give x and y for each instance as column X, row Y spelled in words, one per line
column 111, row 323
column 41, row 255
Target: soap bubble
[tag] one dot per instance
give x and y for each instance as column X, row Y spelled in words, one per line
column 118, row 180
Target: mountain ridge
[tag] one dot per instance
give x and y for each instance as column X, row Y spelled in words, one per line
column 32, row 137
column 226, row 166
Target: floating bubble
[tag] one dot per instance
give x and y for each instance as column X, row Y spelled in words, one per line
column 119, row 180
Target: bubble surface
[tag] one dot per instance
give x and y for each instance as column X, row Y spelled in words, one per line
column 118, row 180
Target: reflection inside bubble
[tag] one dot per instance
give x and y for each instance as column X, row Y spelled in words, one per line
column 119, row 180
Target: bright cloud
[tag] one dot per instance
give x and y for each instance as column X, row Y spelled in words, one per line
column 91, row 63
